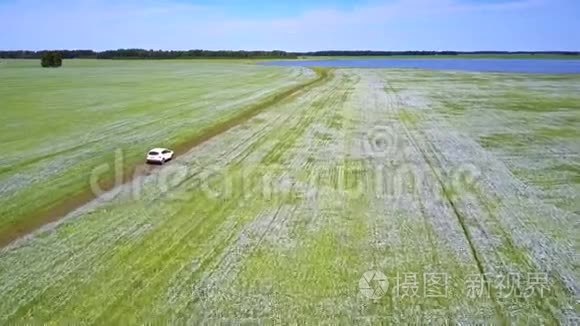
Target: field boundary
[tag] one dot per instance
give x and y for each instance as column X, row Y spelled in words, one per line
column 30, row 223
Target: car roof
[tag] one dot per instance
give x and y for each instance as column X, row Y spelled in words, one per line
column 157, row 149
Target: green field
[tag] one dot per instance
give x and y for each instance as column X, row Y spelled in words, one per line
column 331, row 196
column 58, row 125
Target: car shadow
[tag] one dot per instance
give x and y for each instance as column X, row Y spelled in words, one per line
column 158, row 163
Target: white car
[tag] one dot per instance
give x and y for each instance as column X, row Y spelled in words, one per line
column 159, row 155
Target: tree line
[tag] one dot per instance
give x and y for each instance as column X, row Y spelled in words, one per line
column 192, row 54
column 160, row 54
column 65, row 54
column 147, row 54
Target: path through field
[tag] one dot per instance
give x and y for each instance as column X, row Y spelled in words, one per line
column 60, row 125
column 366, row 198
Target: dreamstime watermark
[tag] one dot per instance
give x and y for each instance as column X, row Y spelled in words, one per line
column 391, row 167
column 349, row 180
column 384, row 142
column 278, row 182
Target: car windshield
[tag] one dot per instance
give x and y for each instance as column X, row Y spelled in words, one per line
column 153, row 153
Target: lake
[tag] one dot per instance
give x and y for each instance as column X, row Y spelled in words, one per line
column 535, row 66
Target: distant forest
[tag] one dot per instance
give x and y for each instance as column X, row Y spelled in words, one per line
column 192, row 54
column 147, row 54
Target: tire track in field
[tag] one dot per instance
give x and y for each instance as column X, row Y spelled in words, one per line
column 237, row 262
column 433, row 157
column 483, row 221
column 177, row 246
column 439, row 178
column 187, row 101
column 226, row 269
column 245, row 102
column 297, row 125
column 242, row 149
column 185, row 226
column 93, row 249
column 28, row 224
column 223, row 158
column 178, row 250
column 248, row 145
column 119, row 222
column 79, row 254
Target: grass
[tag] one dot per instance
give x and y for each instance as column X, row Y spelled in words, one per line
column 76, row 117
column 298, row 193
column 536, row 126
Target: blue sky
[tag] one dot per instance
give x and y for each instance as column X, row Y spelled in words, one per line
column 298, row 25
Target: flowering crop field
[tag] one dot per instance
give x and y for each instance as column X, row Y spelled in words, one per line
column 360, row 196
column 59, row 124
